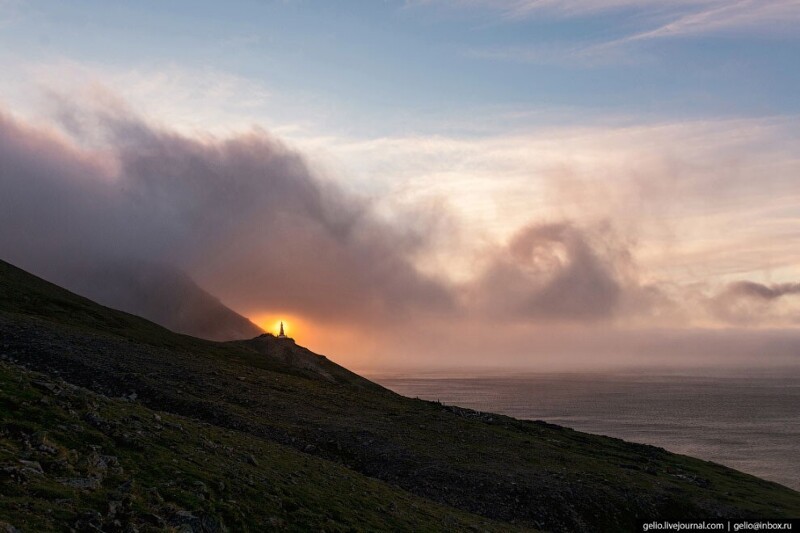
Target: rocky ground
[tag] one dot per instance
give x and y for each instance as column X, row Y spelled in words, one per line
column 72, row 459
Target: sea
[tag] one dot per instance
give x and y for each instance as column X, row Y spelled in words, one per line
column 748, row 420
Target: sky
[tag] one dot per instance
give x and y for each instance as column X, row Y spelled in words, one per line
column 425, row 184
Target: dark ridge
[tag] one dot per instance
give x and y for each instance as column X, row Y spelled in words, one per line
column 157, row 292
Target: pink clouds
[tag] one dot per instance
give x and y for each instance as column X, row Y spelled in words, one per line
column 552, row 272
column 249, row 220
column 243, row 215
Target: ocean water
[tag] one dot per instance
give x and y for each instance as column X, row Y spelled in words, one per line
column 748, row 422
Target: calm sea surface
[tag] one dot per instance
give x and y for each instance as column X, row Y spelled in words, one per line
column 751, row 423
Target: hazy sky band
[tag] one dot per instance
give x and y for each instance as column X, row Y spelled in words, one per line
column 596, row 164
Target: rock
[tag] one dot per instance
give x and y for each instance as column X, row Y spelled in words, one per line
column 201, row 487
column 26, row 470
column 94, row 419
column 5, row 527
column 82, row 483
column 112, row 462
column 73, row 456
column 251, row 459
column 31, row 466
column 155, row 520
column 211, row 524
column 89, row 521
column 153, row 493
column 46, row 448
column 113, row 508
column 186, row 521
column 44, row 385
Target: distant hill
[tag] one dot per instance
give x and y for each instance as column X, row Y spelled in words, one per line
column 110, row 422
column 159, row 293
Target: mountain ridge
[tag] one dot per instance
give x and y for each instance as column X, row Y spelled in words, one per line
column 156, row 291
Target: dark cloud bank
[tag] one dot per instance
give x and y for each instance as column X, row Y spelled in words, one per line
column 246, row 218
column 551, row 271
column 747, row 302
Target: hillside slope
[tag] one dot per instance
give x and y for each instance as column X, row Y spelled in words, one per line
column 530, row 474
column 157, row 292
column 70, row 458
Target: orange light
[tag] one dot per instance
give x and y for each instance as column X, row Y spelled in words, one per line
column 339, row 342
column 271, row 323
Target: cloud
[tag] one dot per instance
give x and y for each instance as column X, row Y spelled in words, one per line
column 485, row 348
column 761, row 16
column 194, row 101
column 552, row 271
column 752, row 303
column 651, row 216
column 243, row 215
column 578, row 54
column 544, row 235
column 652, row 20
column 671, row 17
column 702, row 199
column 750, row 289
column 570, row 8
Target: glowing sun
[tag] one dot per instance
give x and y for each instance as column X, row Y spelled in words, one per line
column 272, row 324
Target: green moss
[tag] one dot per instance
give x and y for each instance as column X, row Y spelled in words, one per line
column 198, row 468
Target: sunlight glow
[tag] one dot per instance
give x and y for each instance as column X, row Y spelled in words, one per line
column 271, row 323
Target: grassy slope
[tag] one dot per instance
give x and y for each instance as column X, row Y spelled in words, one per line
column 528, row 473
column 155, row 470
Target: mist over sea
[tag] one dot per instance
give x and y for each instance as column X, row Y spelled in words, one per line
column 746, row 420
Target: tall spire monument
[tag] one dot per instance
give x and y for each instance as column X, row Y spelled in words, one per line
column 282, row 335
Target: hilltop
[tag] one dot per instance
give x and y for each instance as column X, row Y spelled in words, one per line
column 112, row 422
column 155, row 291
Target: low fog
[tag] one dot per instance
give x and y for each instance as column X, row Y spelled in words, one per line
column 122, row 211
